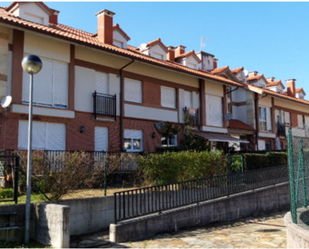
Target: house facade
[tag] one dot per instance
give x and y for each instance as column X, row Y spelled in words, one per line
column 96, row 92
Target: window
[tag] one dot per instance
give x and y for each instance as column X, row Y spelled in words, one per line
column 169, row 141
column 300, row 120
column 229, row 99
column 168, row 97
column 132, row 90
column 101, row 82
column 50, row 87
column 133, row 140
column 214, row 110
column 267, row 145
column 101, row 139
column 47, row 136
column 263, row 119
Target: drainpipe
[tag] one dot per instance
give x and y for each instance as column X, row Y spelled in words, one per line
column 256, row 103
column 122, row 104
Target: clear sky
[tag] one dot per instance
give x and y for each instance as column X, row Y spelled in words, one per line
column 269, row 37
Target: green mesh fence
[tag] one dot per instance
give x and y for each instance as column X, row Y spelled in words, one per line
column 298, row 161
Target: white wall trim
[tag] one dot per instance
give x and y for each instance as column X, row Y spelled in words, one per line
column 214, row 129
column 270, row 135
column 43, row 111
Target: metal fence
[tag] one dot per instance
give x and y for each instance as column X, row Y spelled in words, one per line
column 298, row 158
column 143, row 201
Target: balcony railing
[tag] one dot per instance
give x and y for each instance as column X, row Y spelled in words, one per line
column 280, row 129
column 191, row 116
column 104, row 104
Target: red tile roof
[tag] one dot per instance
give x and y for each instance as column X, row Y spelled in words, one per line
column 298, row 90
column 184, row 55
column 237, row 70
column 275, row 83
column 121, row 31
column 256, row 77
column 157, row 41
column 220, row 70
column 237, row 124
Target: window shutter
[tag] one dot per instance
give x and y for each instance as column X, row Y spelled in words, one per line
column 268, row 118
column 300, row 121
column 61, row 84
column 287, row 118
column 261, row 145
column 132, row 90
column 137, row 134
column 188, row 99
column 39, row 135
column 214, row 110
column 101, row 82
column 168, row 97
column 22, row 134
column 101, row 139
column 56, row 135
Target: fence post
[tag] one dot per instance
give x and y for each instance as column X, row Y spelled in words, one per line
column 104, row 179
column 16, row 169
column 301, row 161
column 291, row 176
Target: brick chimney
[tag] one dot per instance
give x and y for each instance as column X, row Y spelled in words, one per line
column 105, row 26
column 53, row 19
column 180, row 50
column 291, row 87
column 171, row 53
column 215, row 63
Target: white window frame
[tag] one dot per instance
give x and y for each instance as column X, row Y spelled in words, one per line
column 168, row 97
column 263, row 118
column 133, row 139
column 53, row 77
column 171, row 141
column 133, row 91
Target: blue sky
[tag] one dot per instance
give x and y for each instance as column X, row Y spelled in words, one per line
column 269, row 37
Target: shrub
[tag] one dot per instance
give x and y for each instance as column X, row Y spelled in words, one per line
column 172, row 167
column 258, row 161
column 6, row 193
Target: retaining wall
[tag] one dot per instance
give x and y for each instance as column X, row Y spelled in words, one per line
column 250, row 203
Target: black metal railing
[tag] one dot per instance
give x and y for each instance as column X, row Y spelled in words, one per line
column 191, row 116
column 280, row 129
column 143, row 201
column 104, row 104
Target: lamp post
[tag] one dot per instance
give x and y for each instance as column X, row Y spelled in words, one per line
column 31, row 64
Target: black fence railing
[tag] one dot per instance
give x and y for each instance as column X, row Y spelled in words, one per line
column 192, row 116
column 280, row 129
column 138, row 202
column 104, row 104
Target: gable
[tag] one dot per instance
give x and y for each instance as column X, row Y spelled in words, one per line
column 156, row 51
column 31, row 11
column 119, row 40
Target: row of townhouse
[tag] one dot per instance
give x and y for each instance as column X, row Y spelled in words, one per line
column 95, row 92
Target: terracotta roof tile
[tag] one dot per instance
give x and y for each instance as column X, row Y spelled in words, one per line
column 157, row 41
column 237, row 70
column 220, row 70
column 121, row 31
column 237, row 124
column 275, row 83
column 257, row 77
column 187, row 54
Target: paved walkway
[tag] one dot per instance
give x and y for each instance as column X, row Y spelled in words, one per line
column 262, row 232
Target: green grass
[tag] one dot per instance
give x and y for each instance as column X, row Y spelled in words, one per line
column 22, row 199
column 32, row 244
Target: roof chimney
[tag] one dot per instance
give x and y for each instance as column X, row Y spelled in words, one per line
column 105, row 26
column 171, row 53
column 215, row 63
column 291, row 90
column 179, row 50
column 54, row 17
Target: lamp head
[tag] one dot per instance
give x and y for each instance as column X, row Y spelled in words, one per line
column 31, row 64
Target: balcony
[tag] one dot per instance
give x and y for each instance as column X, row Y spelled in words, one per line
column 280, row 129
column 104, row 105
column 191, row 116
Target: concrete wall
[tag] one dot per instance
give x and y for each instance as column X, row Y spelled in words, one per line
column 297, row 235
column 247, row 204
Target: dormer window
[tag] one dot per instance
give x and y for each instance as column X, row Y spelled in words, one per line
column 120, row 38
column 189, row 59
column 155, row 49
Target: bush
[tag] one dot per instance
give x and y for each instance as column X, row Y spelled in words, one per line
column 6, row 193
column 257, row 161
column 172, row 167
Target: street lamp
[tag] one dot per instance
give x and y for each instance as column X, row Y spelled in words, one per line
column 31, row 64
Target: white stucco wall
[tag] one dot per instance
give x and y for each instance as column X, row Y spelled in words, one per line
column 157, row 49
column 47, row 47
column 214, row 89
column 240, row 113
column 32, row 12
column 120, row 38
column 266, row 102
column 136, row 111
column 291, row 105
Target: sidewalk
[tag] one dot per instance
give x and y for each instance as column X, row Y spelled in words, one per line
column 261, row 232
